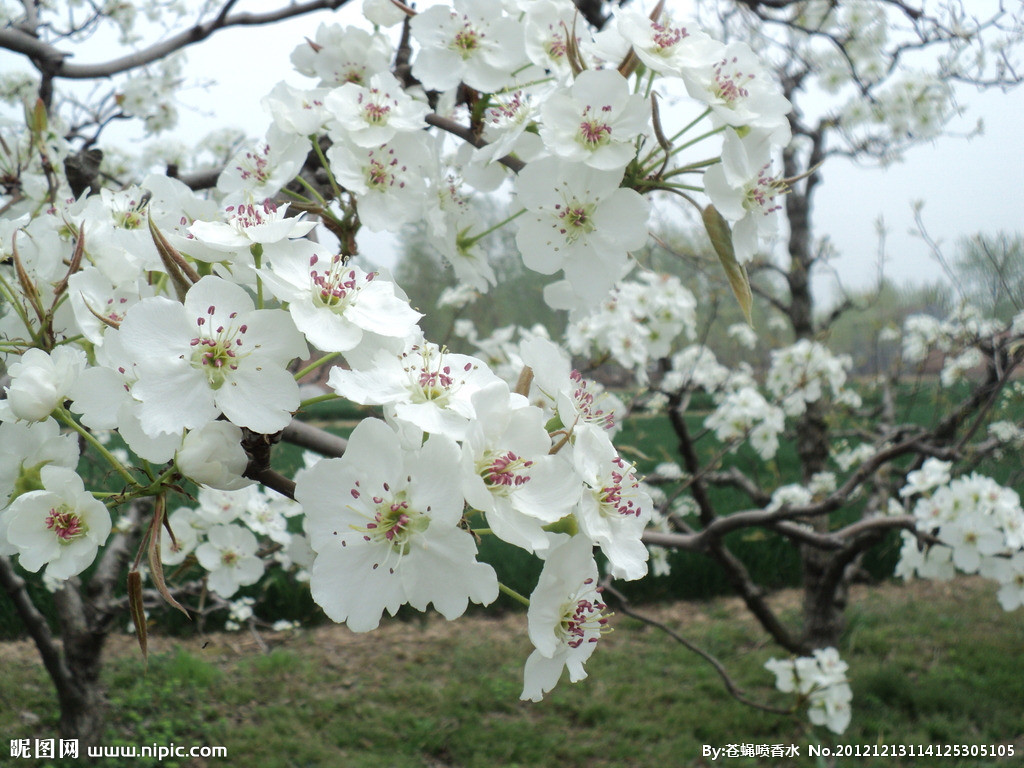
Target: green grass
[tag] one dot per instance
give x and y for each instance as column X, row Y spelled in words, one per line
column 932, row 663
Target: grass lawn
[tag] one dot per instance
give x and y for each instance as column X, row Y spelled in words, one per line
column 931, row 663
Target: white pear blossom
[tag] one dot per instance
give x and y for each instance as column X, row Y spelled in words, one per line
column 334, row 303
column 213, row 354
column 548, row 26
column 424, row 386
column 250, row 224
column 566, row 618
column 507, row 472
column 25, row 448
column 40, row 381
column 383, row 13
column 384, row 522
column 61, row 526
column 102, row 396
column 92, row 297
column 614, row 510
column 580, row 221
column 666, row 45
column 804, row 372
column 744, row 191
column 185, row 527
column 474, row 42
column 746, row 413
column 213, row 456
column 820, row 680
column 261, row 171
column 387, row 180
column 1010, row 575
column 931, row 475
column 297, row 111
column 564, row 391
column 638, row 323
column 594, row 121
column 217, row 507
column 740, row 92
column 695, row 367
column 338, row 55
column 371, row 115
column 229, row 554
column 505, row 129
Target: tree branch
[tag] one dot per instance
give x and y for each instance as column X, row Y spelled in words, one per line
column 36, row 625
column 54, row 62
column 466, row 134
column 735, row 572
column 104, row 581
column 625, row 607
column 315, row 439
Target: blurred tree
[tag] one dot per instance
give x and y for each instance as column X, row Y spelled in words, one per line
column 989, row 271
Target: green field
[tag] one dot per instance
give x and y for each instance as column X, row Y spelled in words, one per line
column 930, row 664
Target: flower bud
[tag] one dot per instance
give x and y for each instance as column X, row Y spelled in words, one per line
column 40, row 381
column 213, row 456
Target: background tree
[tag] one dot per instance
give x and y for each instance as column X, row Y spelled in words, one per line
column 891, row 70
column 989, row 272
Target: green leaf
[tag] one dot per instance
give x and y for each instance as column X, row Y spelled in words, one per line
column 37, row 118
column 721, row 239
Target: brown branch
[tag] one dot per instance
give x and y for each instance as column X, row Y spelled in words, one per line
column 36, row 625
column 466, row 134
column 54, row 62
column 315, row 439
column 735, row 572
column 625, row 607
column 734, row 477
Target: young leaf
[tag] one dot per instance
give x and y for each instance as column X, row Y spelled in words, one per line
column 721, row 239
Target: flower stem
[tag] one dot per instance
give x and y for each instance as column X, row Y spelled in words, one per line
column 256, row 249
column 90, row 438
column 315, row 364
column 319, row 399
column 313, row 190
column 514, row 595
column 470, row 242
column 326, row 166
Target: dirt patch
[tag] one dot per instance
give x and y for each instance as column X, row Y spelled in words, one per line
column 432, row 630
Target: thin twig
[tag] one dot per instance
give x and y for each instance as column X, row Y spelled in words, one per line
column 625, row 607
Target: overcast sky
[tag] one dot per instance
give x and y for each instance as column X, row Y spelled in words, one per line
column 967, row 185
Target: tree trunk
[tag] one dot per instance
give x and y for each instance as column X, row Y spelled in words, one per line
column 81, row 693
column 74, row 668
column 825, row 595
column 86, row 614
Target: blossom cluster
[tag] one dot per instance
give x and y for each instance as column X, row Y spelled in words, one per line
column 638, row 324
column 804, row 373
column 953, row 338
column 224, row 530
column 182, row 321
column 820, row 681
column 978, row 525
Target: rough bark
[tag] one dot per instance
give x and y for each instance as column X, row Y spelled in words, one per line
column 824, row 597
column 81, row 695
column 86, row 613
